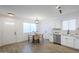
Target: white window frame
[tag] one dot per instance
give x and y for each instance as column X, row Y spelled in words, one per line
column 30, row 28
column 69, row 25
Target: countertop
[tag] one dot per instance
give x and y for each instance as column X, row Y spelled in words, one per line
column 71, row 35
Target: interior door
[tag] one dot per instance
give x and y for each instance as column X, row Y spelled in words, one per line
column 9, row 32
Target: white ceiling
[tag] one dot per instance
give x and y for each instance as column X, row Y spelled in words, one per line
column 43, row 11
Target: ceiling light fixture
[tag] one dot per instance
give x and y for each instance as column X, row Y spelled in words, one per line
column 59, row 9
column 10, row 14
column 36, row 21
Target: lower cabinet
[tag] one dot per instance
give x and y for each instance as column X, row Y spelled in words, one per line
column 70, row 41
column 67, row 41
column 63, row 40
column 76, row 43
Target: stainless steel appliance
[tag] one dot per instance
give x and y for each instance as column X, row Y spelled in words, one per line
column 57, row 35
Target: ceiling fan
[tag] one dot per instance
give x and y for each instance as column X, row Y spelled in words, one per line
column 59, row 9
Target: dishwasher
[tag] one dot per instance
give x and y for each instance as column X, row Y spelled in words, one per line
column 57, row 39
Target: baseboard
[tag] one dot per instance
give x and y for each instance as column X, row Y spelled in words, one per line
column 13, row 43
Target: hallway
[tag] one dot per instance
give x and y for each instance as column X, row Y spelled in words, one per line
column 25, row 47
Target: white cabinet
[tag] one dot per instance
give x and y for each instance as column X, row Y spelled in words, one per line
column 76, row 43
column 63, row 40
column 67, row 41
column 70, row 41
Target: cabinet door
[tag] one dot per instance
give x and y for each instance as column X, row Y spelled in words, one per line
column 63, row 40
column 69, row 42
column 76, row 43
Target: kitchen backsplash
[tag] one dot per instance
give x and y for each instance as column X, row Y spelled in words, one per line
column 76, row 32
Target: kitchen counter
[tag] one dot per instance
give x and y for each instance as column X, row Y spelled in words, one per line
column 70, row 40
column 71, row 35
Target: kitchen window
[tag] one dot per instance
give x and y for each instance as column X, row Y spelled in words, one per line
column 69, row 25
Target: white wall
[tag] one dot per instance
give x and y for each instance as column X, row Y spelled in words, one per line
column 44, row 27
column 6, row 29
column 70, row 16
column 47, row 25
